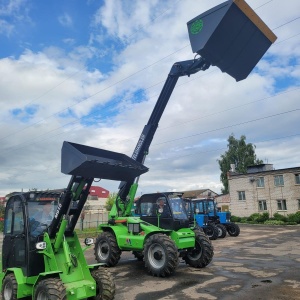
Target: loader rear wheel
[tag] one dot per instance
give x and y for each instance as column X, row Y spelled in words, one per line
column 202, row 254
column 221, row 230
column 105, row 286
column 211, row 231
column 161, row 255
column 9, row 288
column 139, row 255
column 50, row 288
column 106, row 249
column 233, row 229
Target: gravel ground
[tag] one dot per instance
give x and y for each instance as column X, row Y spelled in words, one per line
column 262, row 263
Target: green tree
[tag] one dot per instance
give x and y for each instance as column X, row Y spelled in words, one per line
column 240, row 154
column 110, row 201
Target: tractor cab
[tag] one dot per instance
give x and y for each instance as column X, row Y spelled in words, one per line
column 27, row 216
column 164, row 210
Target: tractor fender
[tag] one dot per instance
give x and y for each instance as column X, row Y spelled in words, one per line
column 44, row 275
column 23, row 289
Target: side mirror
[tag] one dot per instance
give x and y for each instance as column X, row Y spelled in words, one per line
column 89, row 241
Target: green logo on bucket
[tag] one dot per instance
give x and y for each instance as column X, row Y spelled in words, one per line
column 197, row 26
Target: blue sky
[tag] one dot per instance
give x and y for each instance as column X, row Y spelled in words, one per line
column 90, row 72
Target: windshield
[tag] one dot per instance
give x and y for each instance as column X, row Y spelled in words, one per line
column 40, row 215
column 178, row 209
column 210, row 206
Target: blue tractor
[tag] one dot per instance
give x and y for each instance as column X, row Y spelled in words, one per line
column 199, row 218
column 208, row 206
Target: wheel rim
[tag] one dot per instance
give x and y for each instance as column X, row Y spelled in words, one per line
column 196, row 253
column 232, row 230
column 156, row 256
column 103, row 250
column 7, row 291
column 209, row 231
column 219, row 231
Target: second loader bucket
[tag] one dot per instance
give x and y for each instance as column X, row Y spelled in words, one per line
column 231, row 36
column 89, row 162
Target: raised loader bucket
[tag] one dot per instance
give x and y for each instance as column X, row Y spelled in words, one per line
column 89, row 162
column 231, row 36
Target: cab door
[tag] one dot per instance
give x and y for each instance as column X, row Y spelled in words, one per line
column 14, row 242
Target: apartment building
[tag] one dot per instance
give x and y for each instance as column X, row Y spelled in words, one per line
column 264, row 189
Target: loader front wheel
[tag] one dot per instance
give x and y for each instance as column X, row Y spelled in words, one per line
column 50, row 288
column 9, row 288
column 106, row 249
column 202, row 254
column 105, row 286
column 161, row 255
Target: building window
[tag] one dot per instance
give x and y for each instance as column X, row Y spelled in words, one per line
column 298, row 204
column 242, row 195
column 260, row 182
column 278, row 180
column 262, row 205
column 297, row 178
column 281, row 205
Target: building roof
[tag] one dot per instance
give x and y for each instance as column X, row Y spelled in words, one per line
column 197, row 193
column 262, row 172
column 99, row 192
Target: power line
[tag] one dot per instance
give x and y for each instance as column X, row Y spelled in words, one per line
column 229, row 126
column 108, row 87
column 94, row 95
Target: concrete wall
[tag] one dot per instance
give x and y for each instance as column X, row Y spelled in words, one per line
column 290, row 192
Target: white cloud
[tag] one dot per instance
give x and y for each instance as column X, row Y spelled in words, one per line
column 202, row 112
column 65, row 20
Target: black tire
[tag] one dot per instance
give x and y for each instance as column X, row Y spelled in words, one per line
column 50, row 288
column 106, row 249
column 161, row 255
column 197, row 227
column 202, row 254
column 105, row 286
column 233, row 229
column 139, row 255
column 221, row 230
column 211, row 231
column 9, row 287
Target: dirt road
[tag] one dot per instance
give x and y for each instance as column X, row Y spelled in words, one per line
column 262, row 263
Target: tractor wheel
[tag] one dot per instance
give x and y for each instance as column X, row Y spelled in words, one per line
column 106, row 249
column 221, row 230
column 9, row 287
column 139, row 255
column 161, row 255
column 105, row 286
column 202, row 254
column 233, row 229
column 50, row 288
column 211, row 231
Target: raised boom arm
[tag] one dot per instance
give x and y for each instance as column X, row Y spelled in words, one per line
column 184, row 68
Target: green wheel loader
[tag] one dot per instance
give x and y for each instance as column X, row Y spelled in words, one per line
column 232, row 37
column 41, row 255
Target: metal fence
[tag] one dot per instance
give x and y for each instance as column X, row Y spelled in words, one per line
column 92, row 219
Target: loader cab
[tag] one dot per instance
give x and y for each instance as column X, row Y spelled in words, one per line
column 25, row 224
column 164, row 210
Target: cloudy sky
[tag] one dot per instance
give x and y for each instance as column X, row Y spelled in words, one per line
column 90, row 72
